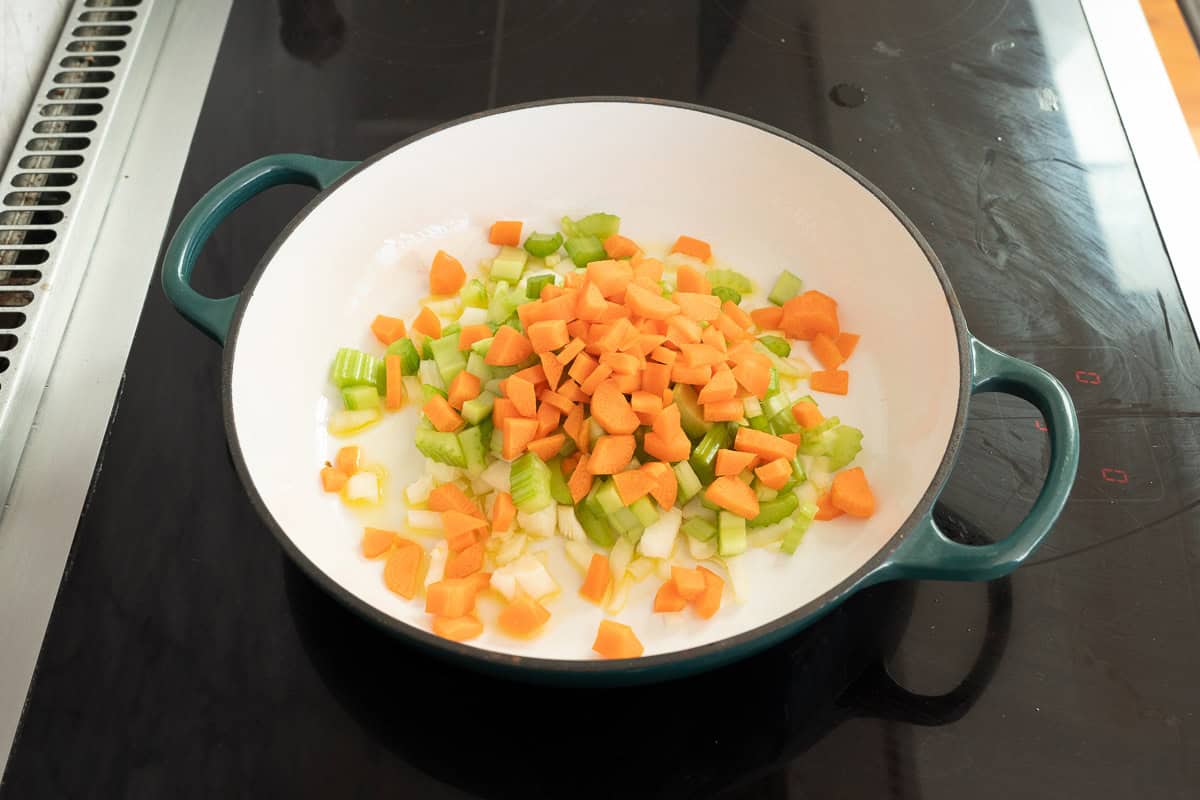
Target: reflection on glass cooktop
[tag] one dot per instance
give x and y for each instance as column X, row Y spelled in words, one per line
column 187, row 657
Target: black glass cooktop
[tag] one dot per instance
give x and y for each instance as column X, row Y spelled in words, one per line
column 187, row 657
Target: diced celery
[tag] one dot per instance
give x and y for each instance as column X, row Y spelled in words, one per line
column 786, row 287
column 534, row 285
column 482, row 346
column 689, row 483
column 800, row 523
column 500, row 373
column 558, row 483
column 799, row 474
column 599, row 225
column 453, row 329
column 478, row 367
column 775, row 403
column 530, row 482
column 773, row 383
column 449, row 359
column 443, row 448
column 818, row 441
column 772, row 511
column 729, row 279
column 409, row 359
column 357, row 398
column 426, row 350
column 353, row 368
column 764, row 492
column 504, row 302
column 777, row 345
column 474, row 294
column 691, row 417
column 428, row 392
column 785, row 422
column 497, row 445
column 583, row 250
column 477, row 409
column 346, row 422
column 787, row 367
column 595, row 526
column 509, row 264
column 731, row 534
column 429, row 373
column 760, row 423
column 474, row 453
column 751, row 406
column 607, row 498
column 847, row 442
column 568, row 227
column 473, row 316
column 633, row 533
column 543, row 244
column 643, row 508
column 699, row 528
column 704, row 454
column 725, row 293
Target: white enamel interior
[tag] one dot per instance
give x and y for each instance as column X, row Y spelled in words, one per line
column 764, row 203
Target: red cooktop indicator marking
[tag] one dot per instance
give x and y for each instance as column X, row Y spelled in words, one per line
column 1087, row 376
column 1041, row 426
column 1114, row 475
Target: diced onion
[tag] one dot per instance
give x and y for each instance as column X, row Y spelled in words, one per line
column 442, row 473
column 472, row 316
column 418, row 491
column 539, row 523
column 702, row 551
column 425, row 520
column 579, row 553
column 363, row 487
column 568, row 526
column 658, row 540
column 511, row 550
column 641, row 568
column 437, row 563
column 497, row 475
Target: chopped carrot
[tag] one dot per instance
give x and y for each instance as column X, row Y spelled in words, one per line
column 582, row 367
column 650, row 305
column 721, row 387
column 764, row 444
column 580, row 482
column 707, row 603
column 650, row 268
column 622, row 363
column 632, row 485
column 552, row 368
column 808, row 314
column 448, row 497
column 446, row 274
column 666, row 487
column 734, row 496
column 754, row 374
column 535, row 374
column 576, row 427
column 521, row 392
column 596, row 581
column 611, row 277
column 456, row 522
column 732, row 462
column 611, row 454
column 570, row 391
column 464, row 387
column 567, row 463
column 573, row 348
column 807, row 414
column 547, row 335
column 664, row 356
column 627, row 384
column 502, row 409
column 767, row 319
column 547, row 418
column 388, row 329
column 668, row 599
column 835, row 381
column 618, row 246
column 656, row 378
column 667, row 447
column 724, row 410
column 394, row 382
column 712, row 336
column 699, row 307
column 377, row 542
column 472, row 334
column 644, row 402
column 505, row 232
column 795, row 438
column 547, row 447
column 428, row 323
column 443, row 417
column 851, row 493
column 517, row 432
column 590, row 304
column 597, row 377
column 682, row 330
column 614, row 640
column 775, row 474
column 561, row 308
column 730, row 329
column 688, row 582
column 826, row 510
column 696, row 248
column 688, row 279
column 826, row 351
column 610, row 408
column 402, row 567
column 457, row 629
column 348, row 459
column 846, row 343
column 737, row 315
column 509, row 348
column 451, row 597
column 333, row 479
column 503, row 512
column 465, row 562
column 522, row 616
column 696, row 376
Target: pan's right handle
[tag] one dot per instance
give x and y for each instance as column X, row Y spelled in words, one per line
column 211, row 315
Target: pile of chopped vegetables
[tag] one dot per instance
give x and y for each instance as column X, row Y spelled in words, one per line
column 620, row 401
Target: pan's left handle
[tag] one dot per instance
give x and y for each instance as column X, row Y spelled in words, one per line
column 214, row 315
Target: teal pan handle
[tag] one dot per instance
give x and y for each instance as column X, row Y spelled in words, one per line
column 214, row 315
column 926, row 553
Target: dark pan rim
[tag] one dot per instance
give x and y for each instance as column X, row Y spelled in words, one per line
column 692, row 659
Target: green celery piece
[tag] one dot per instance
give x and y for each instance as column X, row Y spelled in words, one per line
column 786, row 287
column 381, row 377
column 445, row 448
column 704, row 454
column 353, row 368
column 558, row 483
column 643, row 509
column 608, row 500
column 817, row 441
column 509, row 264
column 595, row 526
column 785, row 422
column 474, row 294
column 482, row 346
column 500, row 373
column 689, row 483
column 358, row 398
column 504, row 302
column 777, row 345
column 426, row 349
column 486, row 426
column 699, row 529
column 583, row 250
column 760, row 423
column 634, row 534
column 731, row 534
column 533, row 286
column 709, row 504
column 729, row 279
column 449, row 359
column 479, row 408
column 847, row 442
column 800, row 523
column 429, row 392
column 691, row 417
column 773, row 383
column 601, row 226
column 543, row 244
column 453, row 329
column 529, row 480
column 725, row 293
column 497, row 445
column 764, row 492
column 568, row 227
column 478, row 367
column 777, row 510
column 409, row 358
column 798, row 473
column 775, row 403
column 474, row 453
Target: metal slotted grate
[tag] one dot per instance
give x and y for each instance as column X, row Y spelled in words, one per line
column 52, row 196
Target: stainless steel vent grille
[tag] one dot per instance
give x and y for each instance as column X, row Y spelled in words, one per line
column 67, row 154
